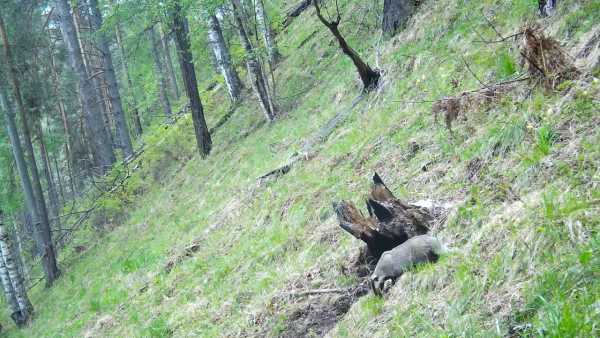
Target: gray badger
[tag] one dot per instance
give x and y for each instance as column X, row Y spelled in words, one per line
column 393, row 263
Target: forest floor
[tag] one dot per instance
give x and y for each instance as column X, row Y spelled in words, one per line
column 196, row 247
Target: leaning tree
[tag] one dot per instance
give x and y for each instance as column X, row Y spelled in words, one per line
column 368, row 76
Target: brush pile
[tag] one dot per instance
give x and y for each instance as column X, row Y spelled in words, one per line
column 546, row 61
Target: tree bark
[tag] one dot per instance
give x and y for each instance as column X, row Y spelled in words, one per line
column 186, row 63
column 368, row 76
column 164, row 39
column 44, row 238
column 263, row 25
column 258, row 80
column 98, row 137
column 223, row 58
column 25, row 307
column 137, row 123
column 391, row 222
column 158, row 67
column 69, row 142
column 9, row 294
column 113, row 85
column 396, row 13
column 295, row 11
column 93, row 66
column 52, row 193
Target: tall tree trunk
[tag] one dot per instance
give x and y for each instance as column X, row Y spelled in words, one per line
column 113, row 85
column 158, row 68
column 368, row 76
column 52, row 193
column 223, row 58
column 186, row 63
column 98, row 137
column 9, row 294
column 92, row 65
column 258, row 80
column 396, row 13
column 263, row 25
column 43, row 224
column 164, row 39
column 137, row 122
column 25, row 307
column 18, row 238
column 71, row 161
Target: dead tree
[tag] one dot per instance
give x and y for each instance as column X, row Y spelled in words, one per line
column 396, row 13
column 390, row 223
column 368, row 76
column 295, row 11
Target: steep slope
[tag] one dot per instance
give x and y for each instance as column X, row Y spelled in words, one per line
column 521, row 172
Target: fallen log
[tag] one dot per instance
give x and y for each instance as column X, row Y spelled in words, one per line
column 295, row 11
column 390, row 223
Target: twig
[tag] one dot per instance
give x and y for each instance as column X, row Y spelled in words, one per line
column 302, row 293
column 473, row 73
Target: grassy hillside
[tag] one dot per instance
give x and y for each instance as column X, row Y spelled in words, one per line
column 521, row 174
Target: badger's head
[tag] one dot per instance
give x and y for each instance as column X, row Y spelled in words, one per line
column 380, row 284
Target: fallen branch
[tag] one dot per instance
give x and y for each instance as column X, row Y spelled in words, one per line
column 308, row 150
column 302, row 293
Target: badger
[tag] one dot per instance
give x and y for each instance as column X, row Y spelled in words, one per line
column 393, row 263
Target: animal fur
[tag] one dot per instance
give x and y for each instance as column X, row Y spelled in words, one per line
column 393, row 263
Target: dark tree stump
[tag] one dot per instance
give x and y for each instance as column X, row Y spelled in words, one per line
column 390, row 222
column 396, row 13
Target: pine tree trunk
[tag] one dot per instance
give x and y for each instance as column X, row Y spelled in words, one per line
column 113, row 85
column 98, row 137
column 259, row 83
column 44, row 237
column 164, row 39
column 223, row 58
column 188, row 73
column 137, row 122
column 395, row 14
column 158, row 67
column 52, row 193
column 71, row 161
column 25, row 307
column 263, row 25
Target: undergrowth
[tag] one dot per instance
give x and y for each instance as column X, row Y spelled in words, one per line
column 522, row 177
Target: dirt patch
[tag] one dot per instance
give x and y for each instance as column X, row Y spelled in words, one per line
column 315, row 316
column 306, row 311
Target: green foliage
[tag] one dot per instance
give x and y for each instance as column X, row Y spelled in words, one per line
column 506, row 65
column 524, row 231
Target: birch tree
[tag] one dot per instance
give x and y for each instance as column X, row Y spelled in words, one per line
column 265, row 29
column 11, row 270
column 259, row 83
column 223, row 58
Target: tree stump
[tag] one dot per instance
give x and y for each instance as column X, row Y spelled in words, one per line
column 390, row 222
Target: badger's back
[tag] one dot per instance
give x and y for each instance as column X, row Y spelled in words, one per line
column 416, row 250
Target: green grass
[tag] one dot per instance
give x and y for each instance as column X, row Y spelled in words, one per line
column 525, row 232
